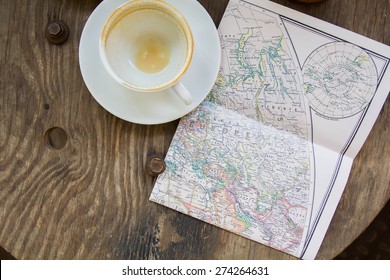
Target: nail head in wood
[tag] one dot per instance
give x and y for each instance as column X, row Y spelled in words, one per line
column 155, row 165
column 57, row 32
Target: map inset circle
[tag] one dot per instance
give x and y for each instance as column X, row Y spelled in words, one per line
column 339, row 79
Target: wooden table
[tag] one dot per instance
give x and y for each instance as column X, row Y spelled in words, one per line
column 81, row 192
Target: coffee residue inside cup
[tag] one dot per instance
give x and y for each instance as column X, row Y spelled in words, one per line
column 152, row 55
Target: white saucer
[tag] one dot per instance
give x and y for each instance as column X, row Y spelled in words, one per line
column 157, row 107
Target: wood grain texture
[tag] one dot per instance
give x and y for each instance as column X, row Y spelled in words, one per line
column 89, row 200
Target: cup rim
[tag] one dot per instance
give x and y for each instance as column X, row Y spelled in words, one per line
column 117, row 15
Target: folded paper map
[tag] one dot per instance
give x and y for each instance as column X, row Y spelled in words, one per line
column 268, row 153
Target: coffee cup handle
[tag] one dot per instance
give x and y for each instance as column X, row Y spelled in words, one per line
column 183, row 93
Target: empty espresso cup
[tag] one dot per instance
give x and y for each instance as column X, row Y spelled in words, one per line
column 147, row 46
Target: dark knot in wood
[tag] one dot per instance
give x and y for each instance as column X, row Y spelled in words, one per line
column 155, row 165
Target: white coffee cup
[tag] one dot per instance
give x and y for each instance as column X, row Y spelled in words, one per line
column 147, row 46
